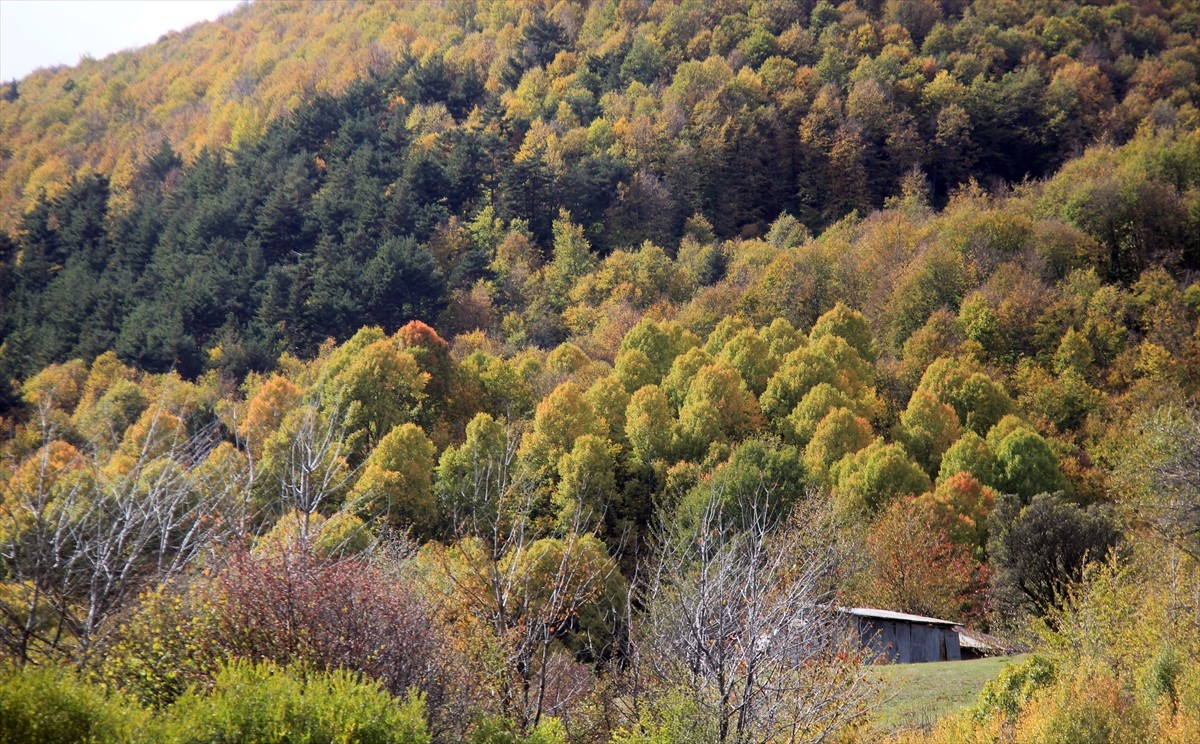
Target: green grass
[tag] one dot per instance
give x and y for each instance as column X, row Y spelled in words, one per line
column 919, row 694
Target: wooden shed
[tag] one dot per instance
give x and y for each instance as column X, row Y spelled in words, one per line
column 903, row 638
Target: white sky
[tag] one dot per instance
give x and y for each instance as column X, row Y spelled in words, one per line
column 44, row 33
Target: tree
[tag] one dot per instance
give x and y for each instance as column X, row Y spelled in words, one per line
column 265, row 412
column 970, row 454
column 758, row 463
column 960, row 505
column 913, row 566
column 978, row 400
column 928, row 428
column 404, row 284
column 78, row 541
column 562, row 417
column 816, row 404
column 840, row 433
column 830, row 360
column 296, row 606
column 649, row 425
column 683, row 370
column 1037, row 550
column 525, row 596
column 1160, row 475
column 379, row 388
column 718, row 407
column 1025, row 464
column 587, row 482
column 432, row 355
column 662, row 343
column 397, row 480
column 741, row 618
column 303, row 468
column 473, row 477
column 751, row 356
column 867, row 481
column 610, row 400
column 572, row 258
column 852, row 326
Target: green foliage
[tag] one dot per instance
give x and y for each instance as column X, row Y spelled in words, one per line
column 379, row 388
column 396, row 483
column 1025, row 464
column 496, row 730
column 587, row 481
column 683, row 370
column 267, row 703
column 977, row 399
column 562, row 417
column 1014, row 687
column 812, row 409
column 839, row 434
column 471, row 477
column 829, row 360
column 1036, row 550
column 675, row 718
column 928, row 428
column 868, row 480
column 649, row 425
column 583, row 193
column 165, row 645
column 52, row 706
column 718, row 407
column 296, row 204
column 851, row 326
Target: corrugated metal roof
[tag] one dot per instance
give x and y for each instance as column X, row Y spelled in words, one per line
column 890, row 615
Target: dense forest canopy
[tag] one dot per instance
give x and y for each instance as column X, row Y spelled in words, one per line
column 526, row 329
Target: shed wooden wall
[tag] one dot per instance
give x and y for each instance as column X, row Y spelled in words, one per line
column 906, row 642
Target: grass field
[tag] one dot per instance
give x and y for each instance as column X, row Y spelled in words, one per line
column 919, row 694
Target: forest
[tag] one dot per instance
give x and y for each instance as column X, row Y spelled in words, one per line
column 532, row 371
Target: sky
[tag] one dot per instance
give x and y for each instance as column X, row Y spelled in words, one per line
column 44, row 33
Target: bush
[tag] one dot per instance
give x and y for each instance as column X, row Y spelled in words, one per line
column 1014, row 686
column 165, row 645
column 265, row 703
column 675, row 718
column 52, row 706
column 1090, row 707
column 498, row 730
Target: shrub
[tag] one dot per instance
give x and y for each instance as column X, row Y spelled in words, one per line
column 498, row 730
column 1014, row 686
column 51, row 705
column 1090, row 707
column 265, row 703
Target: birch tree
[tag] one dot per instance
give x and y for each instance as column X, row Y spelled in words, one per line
column 741, row 618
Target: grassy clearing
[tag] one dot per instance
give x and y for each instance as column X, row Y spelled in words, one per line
column 919, row 694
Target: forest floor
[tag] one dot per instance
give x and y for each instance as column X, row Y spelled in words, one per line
column 917, row 695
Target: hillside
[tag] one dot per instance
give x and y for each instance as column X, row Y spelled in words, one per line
column 536, row 362
column 212, row 86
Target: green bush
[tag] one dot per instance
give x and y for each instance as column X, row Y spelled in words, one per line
column 53, row 706
column 267, row 704
column 1014, row 686
column 676, row 718
column 498, row 730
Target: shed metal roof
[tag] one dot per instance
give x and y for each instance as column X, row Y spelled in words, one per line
column 877, row 614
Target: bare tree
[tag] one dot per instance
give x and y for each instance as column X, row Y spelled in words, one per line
column 741, row 616
column 302, row 472
column 1164, row 473
column 77, row 540
column 527, row 588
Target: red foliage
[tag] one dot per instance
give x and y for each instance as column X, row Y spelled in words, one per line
column 432, row 354
column 298, row 606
